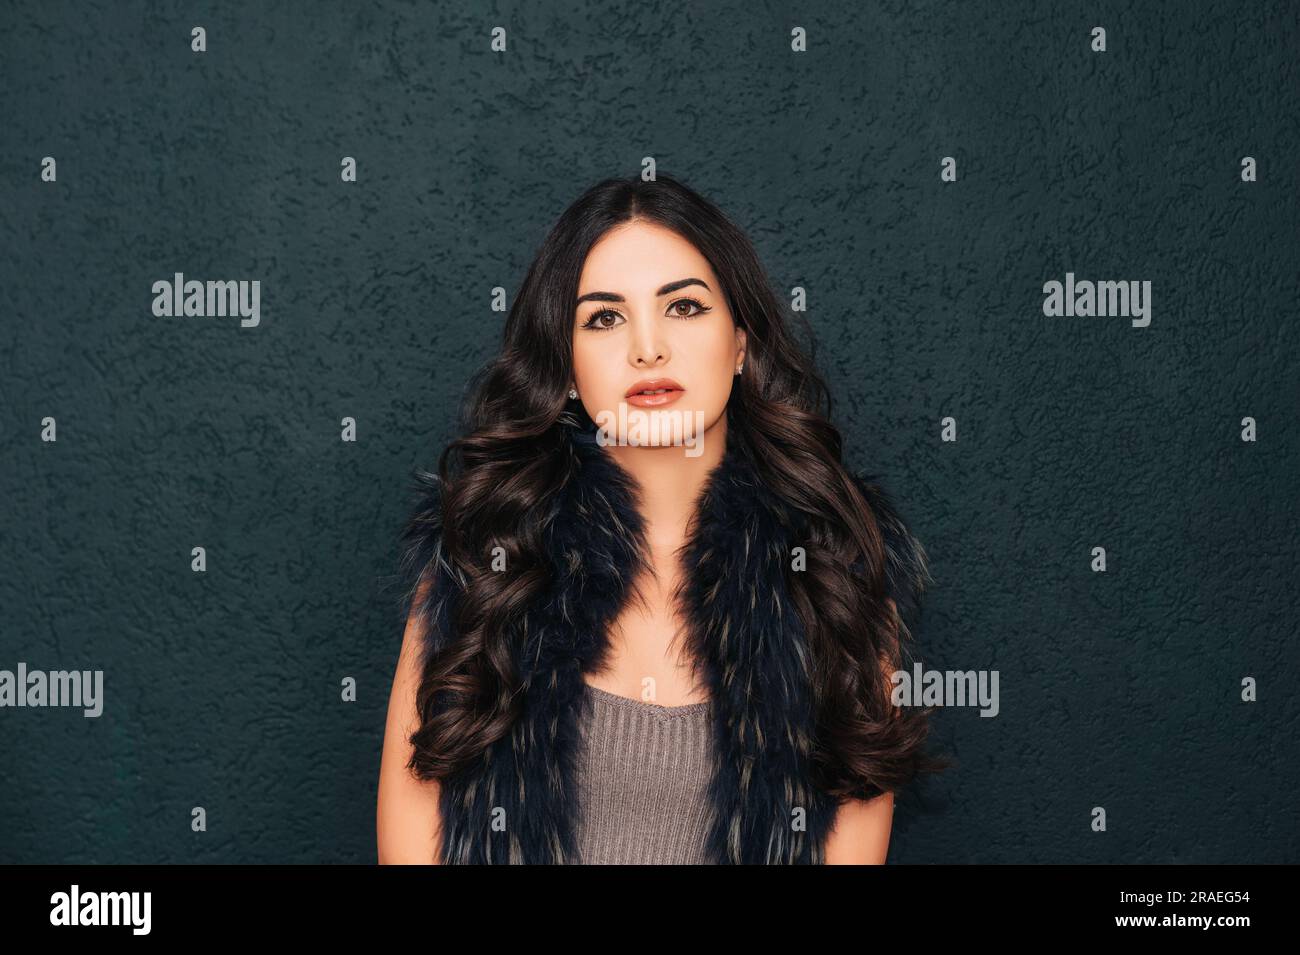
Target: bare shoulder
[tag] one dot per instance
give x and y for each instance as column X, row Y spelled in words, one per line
column 406, row 817
column 861, row 832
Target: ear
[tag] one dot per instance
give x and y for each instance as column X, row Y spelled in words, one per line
column 741, row 342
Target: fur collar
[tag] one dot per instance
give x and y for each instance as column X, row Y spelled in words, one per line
column 518, row 805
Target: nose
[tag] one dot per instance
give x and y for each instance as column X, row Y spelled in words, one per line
column 647, row 346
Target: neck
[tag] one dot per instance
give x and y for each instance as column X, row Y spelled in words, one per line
column 670, row 483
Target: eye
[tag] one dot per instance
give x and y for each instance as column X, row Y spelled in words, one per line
column 596, row 319
column 606, row 318
column 700, row 308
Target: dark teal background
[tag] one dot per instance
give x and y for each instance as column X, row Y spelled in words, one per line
column 1119, row 690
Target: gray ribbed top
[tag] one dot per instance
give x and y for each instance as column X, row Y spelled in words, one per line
column 643, row 776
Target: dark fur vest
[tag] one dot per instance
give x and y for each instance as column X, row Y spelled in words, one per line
column 517, row 805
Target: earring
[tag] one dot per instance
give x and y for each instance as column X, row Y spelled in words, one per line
column 741, row 368
column 573, row 393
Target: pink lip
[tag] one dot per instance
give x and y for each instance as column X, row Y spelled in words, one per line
column 671, row 392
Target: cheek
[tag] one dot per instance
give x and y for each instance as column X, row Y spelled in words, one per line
column 714, row 354
column 592, row 365
column 712, row 362
column 584, row 357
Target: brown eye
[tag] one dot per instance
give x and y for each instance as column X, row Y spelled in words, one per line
column 700, row 309
column 596, row 321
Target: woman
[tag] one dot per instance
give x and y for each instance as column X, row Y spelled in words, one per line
column 652, row 617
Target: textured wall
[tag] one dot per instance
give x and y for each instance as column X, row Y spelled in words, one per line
column 222, row 689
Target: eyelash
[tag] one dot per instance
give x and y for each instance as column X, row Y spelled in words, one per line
column 595, row 316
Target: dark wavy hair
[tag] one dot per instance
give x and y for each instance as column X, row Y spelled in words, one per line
column 494, row 481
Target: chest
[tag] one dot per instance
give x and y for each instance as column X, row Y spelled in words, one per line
column 645, row 659
column 643, row 774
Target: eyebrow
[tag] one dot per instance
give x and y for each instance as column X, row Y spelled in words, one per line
column 615, row 297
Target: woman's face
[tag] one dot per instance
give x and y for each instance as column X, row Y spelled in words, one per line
column 651, row 312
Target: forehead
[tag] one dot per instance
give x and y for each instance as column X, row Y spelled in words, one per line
column 636, row 258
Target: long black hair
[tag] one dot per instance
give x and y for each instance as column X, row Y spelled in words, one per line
column 494, row 481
